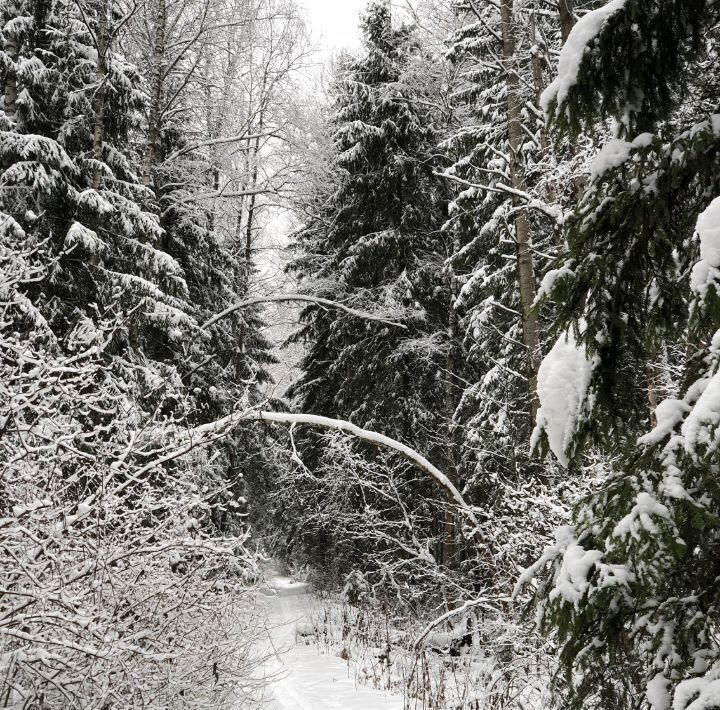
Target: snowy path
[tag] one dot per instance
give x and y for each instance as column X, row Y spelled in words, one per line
column 306, row 679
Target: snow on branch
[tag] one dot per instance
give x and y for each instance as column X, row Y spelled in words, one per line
column 584, row 32
column 289, row 297
column 554, row 211
column 563, row 389
column 371, row 437
column 225, row 194
column 706, row 272
column 485, row 602
column 206, row 432
column 243, row 137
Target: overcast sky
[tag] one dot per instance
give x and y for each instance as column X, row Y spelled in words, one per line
column 334, row 23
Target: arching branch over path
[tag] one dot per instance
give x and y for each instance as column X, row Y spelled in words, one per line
column 301, row 298
column 207, row 433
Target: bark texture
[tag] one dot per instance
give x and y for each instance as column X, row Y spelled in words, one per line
column 158, row 81
column 525, row 265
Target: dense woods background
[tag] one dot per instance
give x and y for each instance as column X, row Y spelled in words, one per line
column 505, row 244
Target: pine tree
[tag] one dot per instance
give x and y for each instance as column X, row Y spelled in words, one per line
column 630, row 587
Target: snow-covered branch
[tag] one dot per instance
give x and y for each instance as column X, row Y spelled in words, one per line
column 370, row 437
column 490, row 603
column 220, row 141
column 302, row 298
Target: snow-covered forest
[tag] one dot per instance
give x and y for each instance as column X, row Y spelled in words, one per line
column 383, row 377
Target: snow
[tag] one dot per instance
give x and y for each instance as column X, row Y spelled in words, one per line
column 380, row 440
column 571, row 581
column 615, row 152
column 304, row 678
column 641, row 517
column 715, row 123
column 585, row 31
column 704, row 693
column 657, row 692
column 706, row 271
column 700, row 426
column 669, row 413
column 550, row 278
column 301, row 298
column 88, row 240
column 284, row 587
column 563, row 382
column 93, row 201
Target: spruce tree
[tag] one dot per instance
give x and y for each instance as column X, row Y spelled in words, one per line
column 373, row 241
column 505, row 211
column 630, row 587
column 496, row 410
column 71, row 103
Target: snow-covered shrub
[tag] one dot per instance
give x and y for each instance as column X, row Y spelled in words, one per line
column 476, row 661
column 115, row 589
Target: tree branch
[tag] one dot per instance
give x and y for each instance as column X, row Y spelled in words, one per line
column 324, row 302
column 368, row 436
column 218, row 141
column 481, row 601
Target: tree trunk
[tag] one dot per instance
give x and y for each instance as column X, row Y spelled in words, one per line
column 525, row 266
column 158, row 81
column 567, row 18
column 652, row 374
column 253, row 184
column 10, row 90
column 247, row 248
column 99, row 99
column 449, row 554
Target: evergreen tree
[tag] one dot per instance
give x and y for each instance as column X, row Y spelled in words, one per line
column 71, row 104
column 487, row 221
column 630, row 588
column 373, row 241
column 65, row 85
column 229, row 366
column 504, row 199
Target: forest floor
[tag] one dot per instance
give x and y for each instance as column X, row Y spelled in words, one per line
column 301, row 677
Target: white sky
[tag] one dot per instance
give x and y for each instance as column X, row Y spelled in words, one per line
column 334, row 23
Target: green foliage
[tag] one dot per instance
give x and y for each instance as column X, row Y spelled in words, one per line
column 376, row 242
column 629, row 589
column 635, row 70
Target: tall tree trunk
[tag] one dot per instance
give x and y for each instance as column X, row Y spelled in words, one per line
column 524, row 257
column 99, row 99
column 250, row 225
column 450, row 550
column 10, row 90
column 567, row 18
column 247, row 244
column 158, row 81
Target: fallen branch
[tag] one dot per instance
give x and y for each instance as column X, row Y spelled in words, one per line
column 481, row 601
column 371, row 437
column 211, row 432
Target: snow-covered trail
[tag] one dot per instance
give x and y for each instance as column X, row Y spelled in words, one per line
column 305, row 679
